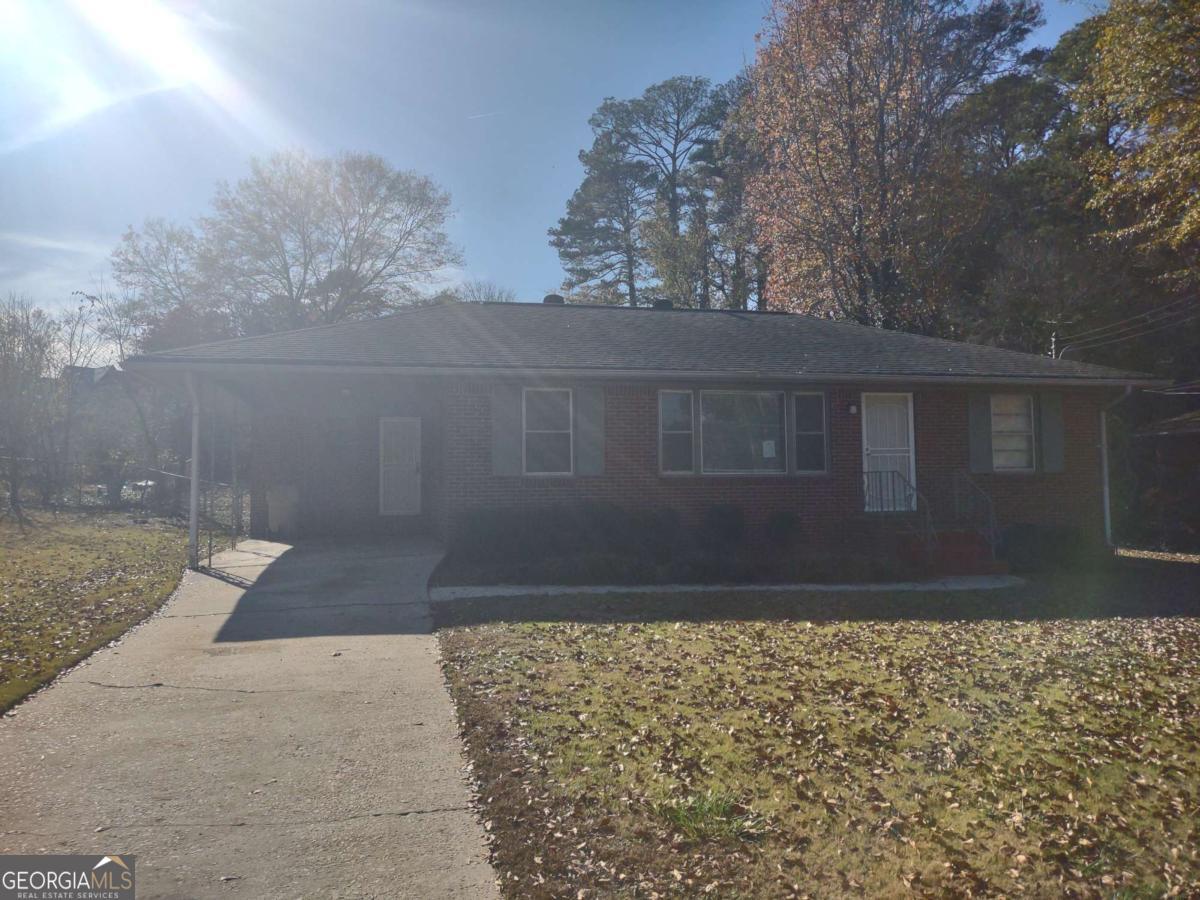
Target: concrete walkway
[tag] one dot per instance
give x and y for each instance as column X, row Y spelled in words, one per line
column 279, row 730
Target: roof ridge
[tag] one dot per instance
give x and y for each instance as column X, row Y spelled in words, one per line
column 959, row 342
column 516, row 335
column 308, row 329
column 824, row 320
column 538, row 304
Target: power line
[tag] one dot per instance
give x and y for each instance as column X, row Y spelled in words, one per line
column 1177, row 317
column 1094, row 343
column 1180, row 388
column 1164, row 318
column 1091, row 345
column 1148, row 315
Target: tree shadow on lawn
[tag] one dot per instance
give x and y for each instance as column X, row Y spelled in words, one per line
column 1121, row 589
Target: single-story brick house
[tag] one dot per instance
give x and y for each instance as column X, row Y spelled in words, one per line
column 411, row 421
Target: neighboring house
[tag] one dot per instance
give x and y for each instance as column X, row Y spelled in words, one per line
column 414, row 420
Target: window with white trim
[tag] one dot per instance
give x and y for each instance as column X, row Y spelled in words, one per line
column 809, row 412
column 742, row 432
column 675, row 433
column 548, row 442
column 1012, row 433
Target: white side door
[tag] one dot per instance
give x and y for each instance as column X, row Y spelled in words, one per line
column 399, row 467
column 887, row 438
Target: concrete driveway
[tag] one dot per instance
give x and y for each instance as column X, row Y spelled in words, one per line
column 280, row 730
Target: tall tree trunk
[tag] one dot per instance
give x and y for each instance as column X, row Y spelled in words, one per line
column 14, row 482
column 630, row 277
column 760, row 280
column 737, row 287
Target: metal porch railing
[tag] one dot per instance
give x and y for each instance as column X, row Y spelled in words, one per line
column 973, row 508
column 890, row 492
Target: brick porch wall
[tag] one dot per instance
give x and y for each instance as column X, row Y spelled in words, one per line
column 631, row 477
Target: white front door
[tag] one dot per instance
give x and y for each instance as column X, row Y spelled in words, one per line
column 887, row 438
column 399, row 467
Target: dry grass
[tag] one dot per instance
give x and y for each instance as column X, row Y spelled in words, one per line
column 758, row 754
column 72, row 582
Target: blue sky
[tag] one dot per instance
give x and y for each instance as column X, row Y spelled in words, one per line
column 112, row 111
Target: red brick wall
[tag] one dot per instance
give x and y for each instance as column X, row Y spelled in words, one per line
column 1070, row 497
column 631, row 477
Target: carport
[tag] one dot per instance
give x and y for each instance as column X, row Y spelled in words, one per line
column 322, row 452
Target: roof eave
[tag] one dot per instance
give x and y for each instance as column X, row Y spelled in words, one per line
column 201, row 366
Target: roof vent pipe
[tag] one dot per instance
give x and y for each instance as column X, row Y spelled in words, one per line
column 663, row 303
column 553, row 300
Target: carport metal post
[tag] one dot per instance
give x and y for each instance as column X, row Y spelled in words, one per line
column 194, row 473
column 1105, row 497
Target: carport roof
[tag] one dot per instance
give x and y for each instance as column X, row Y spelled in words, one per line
column 619, row 341
column 1187, row 423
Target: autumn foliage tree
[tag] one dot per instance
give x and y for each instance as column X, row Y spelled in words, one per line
column 850, row 104
column 1146, row 78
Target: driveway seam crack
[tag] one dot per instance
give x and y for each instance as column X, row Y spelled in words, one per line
column 228, row 690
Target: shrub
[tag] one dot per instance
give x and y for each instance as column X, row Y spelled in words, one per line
column 781, row 528
column 592, row 568
column 838, row 568
column 656, row 533
column 723, row 526
column 708, row 568
column 508, row 534
column 490, row 534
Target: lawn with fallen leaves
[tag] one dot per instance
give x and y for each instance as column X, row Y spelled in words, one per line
column 70, row 583
column 731, row 746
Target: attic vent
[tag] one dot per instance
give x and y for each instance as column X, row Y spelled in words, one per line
column 663, row 303
column 553, row 300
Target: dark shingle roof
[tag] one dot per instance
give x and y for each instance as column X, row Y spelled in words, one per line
column 599, row 339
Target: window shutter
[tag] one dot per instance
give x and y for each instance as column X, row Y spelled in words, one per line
column 979, row 428
column 589, row 431
column 507, row 430
column 1050, row 428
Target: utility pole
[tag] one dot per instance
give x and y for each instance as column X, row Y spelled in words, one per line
column 1054, row 325
column 194, row 481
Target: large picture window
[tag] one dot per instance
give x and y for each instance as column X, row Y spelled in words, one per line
column 548, row 443
column 809, row 411
column 675, row 432
column 742, row 432
column 1012, row 433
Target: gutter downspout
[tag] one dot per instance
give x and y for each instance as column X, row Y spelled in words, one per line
column 194, row 478
column 1108, row 532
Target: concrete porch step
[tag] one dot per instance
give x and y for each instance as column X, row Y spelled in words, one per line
column 957, row 552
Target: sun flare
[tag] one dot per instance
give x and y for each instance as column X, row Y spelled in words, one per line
column 81, row 58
